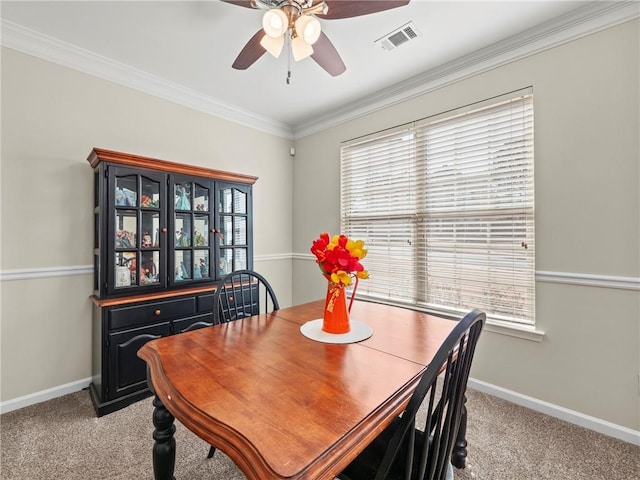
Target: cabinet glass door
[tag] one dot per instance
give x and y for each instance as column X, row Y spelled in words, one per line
column 234, row 237
column 137, row 241
column 191, row 222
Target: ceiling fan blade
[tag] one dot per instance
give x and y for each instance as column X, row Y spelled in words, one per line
column 242, row 3
column 251, row 52
column 326, row 55
column 355, row 8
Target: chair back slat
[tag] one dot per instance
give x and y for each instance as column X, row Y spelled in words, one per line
column 242, row 293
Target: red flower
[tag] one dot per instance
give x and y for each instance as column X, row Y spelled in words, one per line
column 320, row 246
column 339, row 258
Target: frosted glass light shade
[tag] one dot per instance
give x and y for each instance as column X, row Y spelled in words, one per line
column 309, row 28
column 300, row 49
column 273, row 45
column 275, row 22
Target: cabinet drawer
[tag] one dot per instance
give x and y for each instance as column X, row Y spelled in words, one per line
column 125, row 317
column 192, row 323
column 205, row 303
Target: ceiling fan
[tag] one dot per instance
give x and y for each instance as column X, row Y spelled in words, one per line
column 296, row 22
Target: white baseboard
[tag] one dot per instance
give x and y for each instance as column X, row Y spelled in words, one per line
column 592, row 423
column 44, row 395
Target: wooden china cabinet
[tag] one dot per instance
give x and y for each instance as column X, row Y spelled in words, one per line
column 165, row 233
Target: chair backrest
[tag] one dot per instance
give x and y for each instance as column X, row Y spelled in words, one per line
column 240, row 294
column 442, row 386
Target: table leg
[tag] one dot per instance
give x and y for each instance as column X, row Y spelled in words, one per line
column 164, row 448
column 459, row 453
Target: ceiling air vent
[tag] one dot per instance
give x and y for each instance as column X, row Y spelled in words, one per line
column 399, row 36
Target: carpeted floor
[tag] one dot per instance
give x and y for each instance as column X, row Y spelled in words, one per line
column 63, row 439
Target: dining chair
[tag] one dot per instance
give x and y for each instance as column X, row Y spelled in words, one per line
column 240, row 294
column 402, row 451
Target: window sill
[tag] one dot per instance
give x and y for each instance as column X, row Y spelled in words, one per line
column 495, row 326
column 524, row 332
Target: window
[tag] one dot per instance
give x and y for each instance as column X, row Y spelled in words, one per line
column 446, row 208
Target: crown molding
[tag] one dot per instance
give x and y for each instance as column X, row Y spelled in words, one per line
column 17, row 37
column 592, row 18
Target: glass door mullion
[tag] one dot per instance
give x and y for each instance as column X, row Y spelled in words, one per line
column 183, row 246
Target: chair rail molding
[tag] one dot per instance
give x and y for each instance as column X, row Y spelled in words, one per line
column 589, row 280
column 569, row 278
column 272, row 257
column 584, row 279
column 64, row 271
column 44, row 272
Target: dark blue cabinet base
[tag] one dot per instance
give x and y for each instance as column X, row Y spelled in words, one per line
column 122, row 327
column 106, row 407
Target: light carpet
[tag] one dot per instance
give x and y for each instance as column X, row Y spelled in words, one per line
column 63, row 439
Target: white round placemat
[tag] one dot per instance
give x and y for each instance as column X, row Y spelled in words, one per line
column 359, row 331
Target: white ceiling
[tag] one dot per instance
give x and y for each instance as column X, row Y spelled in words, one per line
column 187, row 48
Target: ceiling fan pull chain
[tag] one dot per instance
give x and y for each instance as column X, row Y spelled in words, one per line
column 288, row 60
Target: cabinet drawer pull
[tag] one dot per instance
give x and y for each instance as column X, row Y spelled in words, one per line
column 164, row 229
column 157, row 313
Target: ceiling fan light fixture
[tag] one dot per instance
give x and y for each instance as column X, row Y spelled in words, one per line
column 300, row 49
column 275, row 23
column 309, row 27
column 296, row 21
column 273, row 45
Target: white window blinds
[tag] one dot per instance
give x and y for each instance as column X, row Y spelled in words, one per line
column 446, row 209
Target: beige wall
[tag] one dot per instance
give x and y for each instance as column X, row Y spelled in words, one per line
column 586, row 100
column 587, row 211
column 51, row 118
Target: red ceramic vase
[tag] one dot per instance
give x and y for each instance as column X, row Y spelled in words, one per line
column 336, row 316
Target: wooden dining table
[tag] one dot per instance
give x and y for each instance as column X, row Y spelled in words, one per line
column 279, row 404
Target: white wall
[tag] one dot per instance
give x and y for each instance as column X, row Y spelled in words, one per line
column 586, row 101
column 51, row 118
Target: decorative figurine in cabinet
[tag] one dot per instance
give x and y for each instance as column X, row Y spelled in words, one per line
column 165, row 233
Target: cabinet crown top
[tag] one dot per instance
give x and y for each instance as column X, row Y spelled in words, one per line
column 99, row 155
